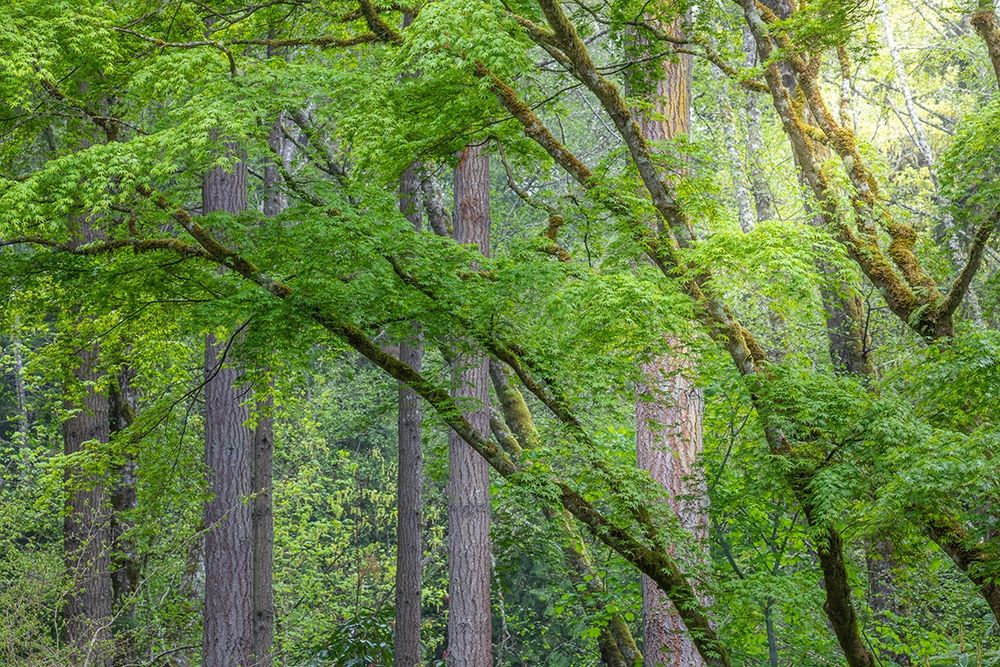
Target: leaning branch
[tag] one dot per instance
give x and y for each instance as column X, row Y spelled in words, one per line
column 976, row 251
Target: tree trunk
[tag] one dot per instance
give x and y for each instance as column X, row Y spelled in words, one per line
column 86, row 528
column 925, row 155
column 669, row 411
column 124, row 559
column 409, row 480
column 229, row 457
column 763, row 202
column 668, row 443
column 880, row 562
column 263, row 536
column 847, row 343
column 263, row 448
column 469, row 555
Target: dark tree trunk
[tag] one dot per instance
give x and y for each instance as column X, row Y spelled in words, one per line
column 847, row 341
column 469, row 556
column 409, row 480
column 880, row 561
column 263, row 456
column 229, row 457
column 124, row 559
column 263, row 536
column 86, row 529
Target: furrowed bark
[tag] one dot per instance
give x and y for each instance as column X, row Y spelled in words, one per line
column 745, row 353
column 86, row 538
column 262, row 508
column 229, row 457
column 409, row 481
column 124, row 559
column 469, row 551
column 669, row 407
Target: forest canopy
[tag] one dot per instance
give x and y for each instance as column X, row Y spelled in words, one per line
column 513, row 332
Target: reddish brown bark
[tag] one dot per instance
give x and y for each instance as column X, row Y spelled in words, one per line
column 469, row 555
column 86, row 527
column 669, row 409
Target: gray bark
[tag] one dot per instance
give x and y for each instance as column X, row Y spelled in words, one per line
column 124, row 498
column 409, row 481
column 229, row 457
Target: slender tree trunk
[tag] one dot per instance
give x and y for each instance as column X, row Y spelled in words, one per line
column 263, row 536
column 20, row 388
column 669, row 413
column 763, row 202
column 263, row 456
column 229, row 457
column 744, row 203
column 409, row 480
column 925, row 155
column 124, row 558
column 469, row 553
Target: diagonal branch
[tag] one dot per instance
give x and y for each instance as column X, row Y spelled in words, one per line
column 975, row 259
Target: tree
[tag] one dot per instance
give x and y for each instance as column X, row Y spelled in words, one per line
column 469, row 612
column 230, row 455
column 410, row 476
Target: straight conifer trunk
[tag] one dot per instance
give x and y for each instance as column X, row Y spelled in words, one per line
column 469, row 556
column 229, row 458
column 86, row 528
column 669, row 413
column 409, row 480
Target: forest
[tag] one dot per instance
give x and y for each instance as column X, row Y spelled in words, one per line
column 499, row 332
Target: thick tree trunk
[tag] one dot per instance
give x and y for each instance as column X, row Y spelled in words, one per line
column 229, row 457
column 668, row 443
column 86, row 529
column 409, row 480
column 669, row 413
column 469, row 554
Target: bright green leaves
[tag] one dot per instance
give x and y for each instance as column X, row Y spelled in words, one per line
column 969, row 168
